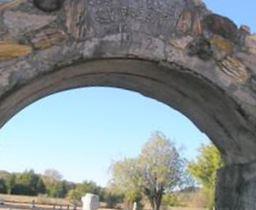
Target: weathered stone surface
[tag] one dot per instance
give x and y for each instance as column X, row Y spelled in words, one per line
column 220, row 25
column 48, row 38
column 90, row 202
column 250, row 43
column 189, row 22
column 76, row 18
column 235, row 70
column 185, row 22
column 48, row 5
column 236, row 187
column 245, row 29
column 21, row 22
column 197, row 26
column 248, row 60
column 10, row 5
column 12, row 50
column 228, row 184
column 221, row 47
column 201, row 48
column 198, row 2
column 181, row 43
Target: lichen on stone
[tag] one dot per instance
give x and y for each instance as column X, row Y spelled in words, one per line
column 250, row 44
column 221, row 26
column 236, row 70
column 221, row 47
column 12, row 50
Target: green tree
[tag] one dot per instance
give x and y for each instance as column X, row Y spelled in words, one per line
column 126, row 178
column 28, row 183
column 58, row 190
column 204, row 170
column 171, row 199
column 3, row 188
column 158, row 169
column 111, row 197
column 55, row 186
column 80, row 190
column 10, row 183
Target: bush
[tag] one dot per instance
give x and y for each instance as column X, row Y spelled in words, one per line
column 171, row 200
column 80, row 190
column 3, row 187
column 112, row 199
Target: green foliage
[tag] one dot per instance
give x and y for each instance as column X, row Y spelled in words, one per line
column 204, row 170
column 80, row 190
column 171, row 199
column 3, row 187
column 111, row 198
column 57, row 189
column 28, row 183
column 10, row 183
column 50, row 184
column 133, row 196
column 158, row 168
column 126, row 178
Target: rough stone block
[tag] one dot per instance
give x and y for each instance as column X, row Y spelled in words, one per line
column 21, row 22
column 48, row 38
column 250, row 43
column 90, row 202
column 12, row 50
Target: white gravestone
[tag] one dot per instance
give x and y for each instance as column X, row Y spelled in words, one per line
column 90, row 202
column 135, row 206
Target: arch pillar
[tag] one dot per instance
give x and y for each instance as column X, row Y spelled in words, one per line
column 236, row 187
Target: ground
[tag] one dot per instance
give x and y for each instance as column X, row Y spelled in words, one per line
column 12, row 202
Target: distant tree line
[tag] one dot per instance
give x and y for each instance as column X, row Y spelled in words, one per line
column 52, row 185
column 31, row 183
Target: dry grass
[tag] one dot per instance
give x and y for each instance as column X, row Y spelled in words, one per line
column 16, row 202
column 37, row 199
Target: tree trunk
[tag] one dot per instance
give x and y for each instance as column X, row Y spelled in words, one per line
column 151, row 200
column 157, row 206
column 157, row 200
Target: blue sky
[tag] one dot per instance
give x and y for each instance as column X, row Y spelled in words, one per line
column 81, row 132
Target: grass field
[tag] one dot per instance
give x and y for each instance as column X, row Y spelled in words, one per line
column 17, row 202
column 37, row 199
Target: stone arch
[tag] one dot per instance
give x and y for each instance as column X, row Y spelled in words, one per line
column 175, row 51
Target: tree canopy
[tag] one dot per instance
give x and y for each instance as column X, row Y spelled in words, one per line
column 204, row 170
column 158, row 169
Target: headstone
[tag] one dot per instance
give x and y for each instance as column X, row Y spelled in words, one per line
column 135, row 206
column 90, row 202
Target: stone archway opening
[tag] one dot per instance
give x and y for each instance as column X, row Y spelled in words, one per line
column 174, row 51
